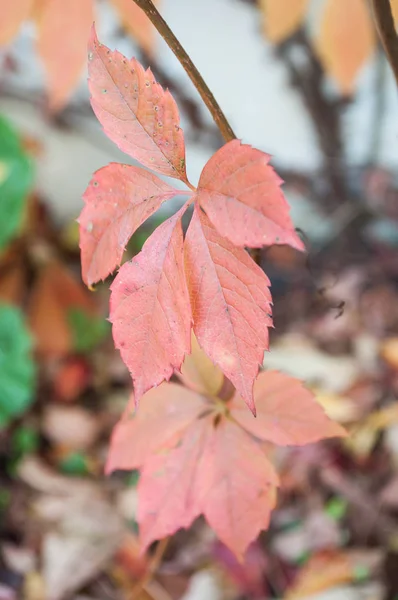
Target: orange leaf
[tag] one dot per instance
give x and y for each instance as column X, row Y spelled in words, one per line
column 55, row 292
column 282, row 17
column 117, row 201
column 136, row 23
column 394, row 10
column 346, row 40
column 63, row 31
column 231, row 304
column 287, row 413
column 322, row 572
column 150, row 308
column 135, row 111
column 12, row 14
column 12, row 285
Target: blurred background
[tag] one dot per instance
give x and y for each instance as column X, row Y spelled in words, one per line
column 306, row 81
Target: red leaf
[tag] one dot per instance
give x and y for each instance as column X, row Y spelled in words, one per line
column 118, row 200
column 287, row 412
column 12, row 14
column 164, row 413
column 231, row 304
column 135, row 111
column 150, row 308
column 241, row 195
column 63, row 31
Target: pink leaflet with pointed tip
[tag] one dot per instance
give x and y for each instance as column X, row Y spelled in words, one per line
column 118, row 200
column 231, row 304
column 150, row 308
column 164, row 412
column 214, row 470
column 287, row 412
column 241, row 484
column 63, row 29
column 136, row 112
column 242, row 197
column 171, row 484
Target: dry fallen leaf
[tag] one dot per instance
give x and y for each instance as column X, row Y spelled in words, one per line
column 326, row 570
column 72, row 427
column 82, row 528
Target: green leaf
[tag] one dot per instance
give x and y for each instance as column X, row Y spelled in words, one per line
column 17, row 369
column 336, row 508
column 25, row 440
column 16, row 178
column 74, row 463
column 87, row 330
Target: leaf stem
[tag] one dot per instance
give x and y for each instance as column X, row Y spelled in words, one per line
column 155, row 17
column 152, row 568
column 386, row 29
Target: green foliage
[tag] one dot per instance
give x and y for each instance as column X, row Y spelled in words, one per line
column 16, row 177
column 87, row 330
column 75, row 464
column 17, row 369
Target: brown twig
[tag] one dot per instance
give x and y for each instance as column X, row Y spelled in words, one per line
column 151, row 570
column 220, row 119
column 386, row 29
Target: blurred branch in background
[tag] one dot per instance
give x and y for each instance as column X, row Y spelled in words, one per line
column 383, row 15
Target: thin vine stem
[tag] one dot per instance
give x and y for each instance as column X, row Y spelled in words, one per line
column 151, row 570
column 386, row 29
column 156, row 18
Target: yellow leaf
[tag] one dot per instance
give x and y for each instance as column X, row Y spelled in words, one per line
column 346, row 40
column 282, row 17
column 199, row 373
column 363, row 437
column 338, row 408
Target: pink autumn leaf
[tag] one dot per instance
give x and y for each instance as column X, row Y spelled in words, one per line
column 150, row 308
column 242, row 197
column 118, row 200
column 231, row 304
column 287, row 412
column 135, row 111
column 198, row 456
column 163, row 413
column 214, row 470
